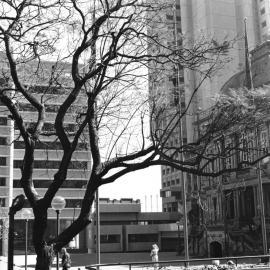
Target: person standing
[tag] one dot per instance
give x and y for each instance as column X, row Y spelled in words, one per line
column 154, row 255
column 66, row 261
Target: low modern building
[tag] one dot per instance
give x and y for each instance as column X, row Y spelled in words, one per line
column 124, row 228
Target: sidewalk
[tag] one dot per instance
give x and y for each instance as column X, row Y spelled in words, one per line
column 82, row 260
column 79, row 261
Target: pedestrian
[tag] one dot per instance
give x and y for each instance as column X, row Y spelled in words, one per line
column 66, row 261
column 154, row 255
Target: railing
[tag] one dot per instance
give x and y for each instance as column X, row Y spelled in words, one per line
column 185, row 263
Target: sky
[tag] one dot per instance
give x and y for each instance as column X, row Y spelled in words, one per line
column 143, row 185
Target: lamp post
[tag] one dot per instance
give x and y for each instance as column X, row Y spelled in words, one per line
column 260, row 192
column 262, row 210
column 58, row 204
column 26, row 215
column 17, row 205
column 97, row 230
column 178, row 236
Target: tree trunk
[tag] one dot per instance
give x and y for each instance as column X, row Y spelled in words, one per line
column 45, row 252
column 45, row 258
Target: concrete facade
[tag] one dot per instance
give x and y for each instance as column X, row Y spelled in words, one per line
column 47, row 154
column 130, row 230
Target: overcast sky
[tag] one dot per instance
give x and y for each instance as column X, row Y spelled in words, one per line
column 144, row 185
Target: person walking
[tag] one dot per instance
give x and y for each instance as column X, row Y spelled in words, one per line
column 154, row 255
column 66, row 261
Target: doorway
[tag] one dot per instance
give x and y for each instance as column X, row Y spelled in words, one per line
column 215, row 249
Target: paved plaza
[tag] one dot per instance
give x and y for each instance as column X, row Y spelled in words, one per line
column 79, row 261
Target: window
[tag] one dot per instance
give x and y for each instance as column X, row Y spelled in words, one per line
column 249, row 205
column 3, row 141
column 215, row 208
column 73, row 203
column 229, row 210
column 46, row 183
column 109, row 238
column 49, row 145
column 50, row 126
column 2, row 202
column 2, row 181
column 27, row 107
column 151, row 237
column 263, row 23
column 53, row 164
column 264, row 142
column 169, row 17
column 229, row 154
column 3, row 161
column 54, row 90
column 244, row 150
column 262, row 11
column 251, row 146
column 3, row 121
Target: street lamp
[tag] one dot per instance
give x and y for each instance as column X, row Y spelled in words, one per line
column 17, row 205
column 58, row 204
column 26, row 215
column 262, row 210
column 178, row 235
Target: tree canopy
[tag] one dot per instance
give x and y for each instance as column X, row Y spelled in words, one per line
column 99, row 57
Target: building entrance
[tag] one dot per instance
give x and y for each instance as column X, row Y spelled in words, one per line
column 215, row 249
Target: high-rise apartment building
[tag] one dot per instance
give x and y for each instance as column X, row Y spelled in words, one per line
column 264, row 19
column 166, row 85
column 219, row 20
column 47, row 154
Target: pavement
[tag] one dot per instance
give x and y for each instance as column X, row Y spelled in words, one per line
column 79, row 261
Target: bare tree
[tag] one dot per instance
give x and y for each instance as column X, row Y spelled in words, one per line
column 110, row 46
